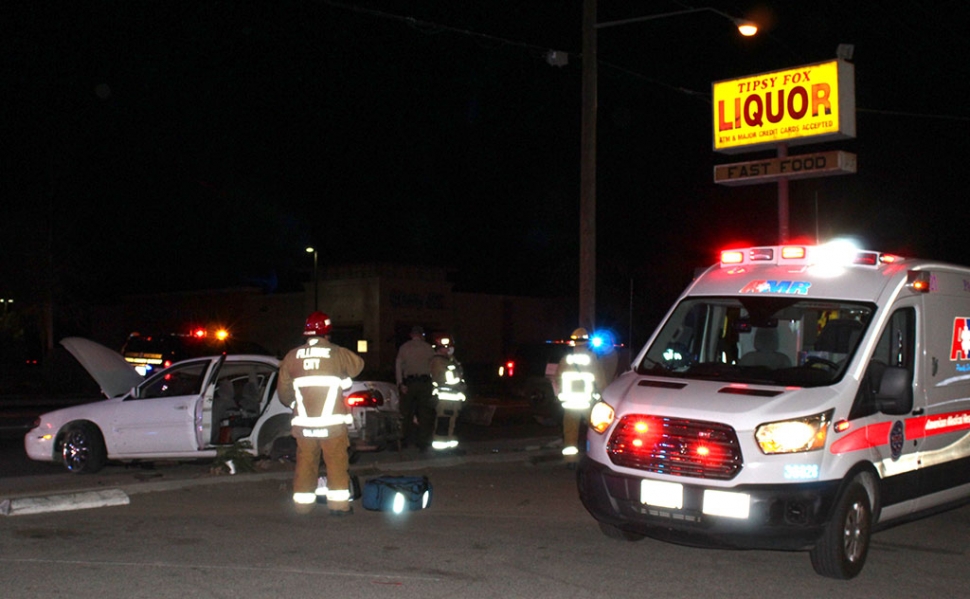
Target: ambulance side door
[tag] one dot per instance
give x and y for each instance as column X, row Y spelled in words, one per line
column 945, row 455
column 893, row 429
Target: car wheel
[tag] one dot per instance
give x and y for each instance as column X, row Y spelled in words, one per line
column 615, row 532
column 82, row 450
column 841, row 551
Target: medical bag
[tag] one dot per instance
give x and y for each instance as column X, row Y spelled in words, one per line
column 397, row 493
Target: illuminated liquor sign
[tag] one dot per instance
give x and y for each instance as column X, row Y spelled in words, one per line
column 808, row 104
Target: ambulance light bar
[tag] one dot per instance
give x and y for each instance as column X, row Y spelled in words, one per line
column 806, row 255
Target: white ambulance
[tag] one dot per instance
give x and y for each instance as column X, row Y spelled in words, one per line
column 795, row 397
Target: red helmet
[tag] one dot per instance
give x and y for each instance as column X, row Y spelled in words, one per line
column 318, row 324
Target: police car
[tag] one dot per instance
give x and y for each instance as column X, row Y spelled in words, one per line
column 795, row 398
column 148, row 352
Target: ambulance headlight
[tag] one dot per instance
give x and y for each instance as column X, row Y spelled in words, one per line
column 601, row 416
column 794, row 436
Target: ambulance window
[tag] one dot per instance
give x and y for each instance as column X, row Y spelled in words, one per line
column 758, row 339
column 895, row 348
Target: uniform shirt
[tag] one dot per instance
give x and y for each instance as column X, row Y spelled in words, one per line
column 413, row 359
column 313, row 377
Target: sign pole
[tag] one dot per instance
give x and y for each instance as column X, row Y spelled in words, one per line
column 783, row 200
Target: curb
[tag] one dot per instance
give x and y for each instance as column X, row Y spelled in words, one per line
column 63, row 503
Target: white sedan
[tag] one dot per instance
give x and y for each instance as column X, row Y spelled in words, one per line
column 187, row 411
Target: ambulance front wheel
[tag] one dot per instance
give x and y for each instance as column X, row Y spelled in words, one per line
column 841, row 551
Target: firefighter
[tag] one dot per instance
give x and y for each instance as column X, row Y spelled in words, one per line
column 449, row 391
column 313, row 378
column 580, row 380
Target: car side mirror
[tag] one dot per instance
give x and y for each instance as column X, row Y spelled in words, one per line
column 895, row 394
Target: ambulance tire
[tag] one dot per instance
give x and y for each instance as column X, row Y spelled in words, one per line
column 841, row 551
column 615, row 532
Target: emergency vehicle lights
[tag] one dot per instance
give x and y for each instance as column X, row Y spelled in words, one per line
column 793, row 436
column 199, row 333
column 919, row 280
column 602, row 341
column 601, row 417
column 837, row 253
column 507, row 369
column 762, row 254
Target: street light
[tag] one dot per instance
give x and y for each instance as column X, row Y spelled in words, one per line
column 316, row 280
column 587, row 195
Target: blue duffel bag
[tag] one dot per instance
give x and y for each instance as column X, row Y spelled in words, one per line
column 397, row 493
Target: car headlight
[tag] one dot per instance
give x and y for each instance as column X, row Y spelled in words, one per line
column 601, row 416
column 794, row 436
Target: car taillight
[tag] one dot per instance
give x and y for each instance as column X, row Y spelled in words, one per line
column 364, row 399
column 509, row 368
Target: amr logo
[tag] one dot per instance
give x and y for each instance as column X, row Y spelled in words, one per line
column 960, row 344
column 786, row 287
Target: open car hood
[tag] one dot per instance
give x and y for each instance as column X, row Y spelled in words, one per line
column 107, row 367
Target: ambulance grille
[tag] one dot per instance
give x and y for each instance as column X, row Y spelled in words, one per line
column 676, row 446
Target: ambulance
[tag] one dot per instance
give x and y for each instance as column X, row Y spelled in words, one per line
column 795, row 398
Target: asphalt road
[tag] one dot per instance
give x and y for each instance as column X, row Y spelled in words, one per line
column 503, row 522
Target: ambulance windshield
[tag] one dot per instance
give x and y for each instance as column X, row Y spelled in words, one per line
column 762, row 340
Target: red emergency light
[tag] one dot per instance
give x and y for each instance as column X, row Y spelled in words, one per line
column 369, row 398
column 510, row 368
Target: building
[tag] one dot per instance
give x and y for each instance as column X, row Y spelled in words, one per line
column 373, row 307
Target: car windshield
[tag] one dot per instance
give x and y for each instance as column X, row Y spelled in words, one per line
column 761, row 340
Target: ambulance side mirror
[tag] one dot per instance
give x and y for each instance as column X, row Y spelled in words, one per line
column 895, row 395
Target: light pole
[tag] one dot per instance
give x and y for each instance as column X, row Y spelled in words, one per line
column 587, row 195
column 316, row 280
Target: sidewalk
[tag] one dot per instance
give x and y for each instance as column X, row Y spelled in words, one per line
column 113, row 486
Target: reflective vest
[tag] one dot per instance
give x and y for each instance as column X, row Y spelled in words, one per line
column 449, row 385
column 327, row 416
column 577, row 373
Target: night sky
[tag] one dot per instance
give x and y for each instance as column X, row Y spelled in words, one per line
column 159, row 146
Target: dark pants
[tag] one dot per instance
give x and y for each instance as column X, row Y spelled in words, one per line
column 419, row 402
